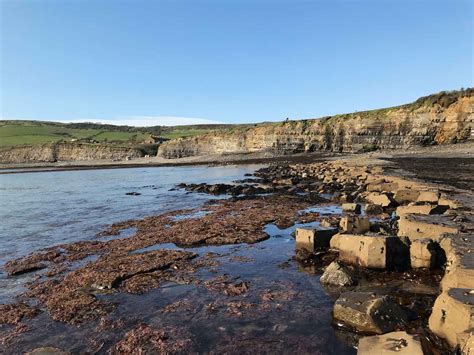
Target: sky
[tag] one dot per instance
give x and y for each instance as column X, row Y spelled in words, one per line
column 232, row 61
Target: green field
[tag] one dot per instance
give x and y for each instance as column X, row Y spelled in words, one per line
column 14, row 133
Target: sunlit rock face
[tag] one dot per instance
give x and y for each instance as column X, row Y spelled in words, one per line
column 428, row 121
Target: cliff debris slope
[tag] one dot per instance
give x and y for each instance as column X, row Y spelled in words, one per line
column 441, row 118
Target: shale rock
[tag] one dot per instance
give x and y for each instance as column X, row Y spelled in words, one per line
column 336, row 274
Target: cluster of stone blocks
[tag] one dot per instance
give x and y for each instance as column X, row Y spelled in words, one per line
column 433, row 231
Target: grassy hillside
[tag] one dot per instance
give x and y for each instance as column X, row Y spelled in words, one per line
column 14, row 133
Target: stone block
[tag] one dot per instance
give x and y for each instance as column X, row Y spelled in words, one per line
column 421, row 209
column 313, row 239
column 378, row 199
column 368, row 313
column 382, row 186
column 353, row 224
column 399, row 343
column 424, row 253
column 417, row 226
column 406, row 195
column 453, row 315
column 428, row 196
column 351, row 207
column 361, row 250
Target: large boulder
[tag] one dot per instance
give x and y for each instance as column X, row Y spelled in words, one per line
column 399, row 343
column 336, row 274
column 368, row 313
column 453, row 315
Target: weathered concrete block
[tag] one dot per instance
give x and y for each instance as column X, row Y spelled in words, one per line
column 313, row 239
column 351, row 207
column 406, row 195
column 420, row 226
column 378, row 199
column 428, row 196
column 367, row 312
column 400, row 343
column 353, row 224
column 453, row 315
column 366, row 251
column 336, row 274
column 421, row 209
column 424, row 253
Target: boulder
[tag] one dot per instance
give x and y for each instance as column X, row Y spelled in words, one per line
column 351, row 207
column 368, row 312
column 379, row 199
column 313, row 239
column 406, row 195
column 391, row 343
column 336, row 274
column 428, row 196
column 361, row 250
column 453, row 315
column 354, row 224
column 417, row 226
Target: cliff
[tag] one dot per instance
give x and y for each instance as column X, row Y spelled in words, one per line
column 66, row 151
column 435, row 119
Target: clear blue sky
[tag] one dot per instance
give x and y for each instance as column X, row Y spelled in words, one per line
column 228, row 61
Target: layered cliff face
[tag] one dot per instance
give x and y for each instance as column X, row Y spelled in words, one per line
column 436, row 119
column 65, row 152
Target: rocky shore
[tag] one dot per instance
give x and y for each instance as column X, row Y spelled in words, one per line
column 392, row 255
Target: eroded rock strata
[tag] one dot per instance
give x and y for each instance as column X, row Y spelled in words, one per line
column 436, row 119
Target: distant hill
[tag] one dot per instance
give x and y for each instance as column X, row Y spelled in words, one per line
column 15, row 133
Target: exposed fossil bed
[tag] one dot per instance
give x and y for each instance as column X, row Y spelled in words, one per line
column 436, row 119
column 242, row 288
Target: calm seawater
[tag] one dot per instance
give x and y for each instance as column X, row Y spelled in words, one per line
column 39, row 210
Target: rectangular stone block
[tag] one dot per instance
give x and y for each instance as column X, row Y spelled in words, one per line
column 366, row 251
column 313, row 239
column 421, row 209
column 420, row 227
column 428, row 196
column 406, row 195
column 354, row 225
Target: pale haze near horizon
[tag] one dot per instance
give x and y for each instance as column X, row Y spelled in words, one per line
column 163, row 63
